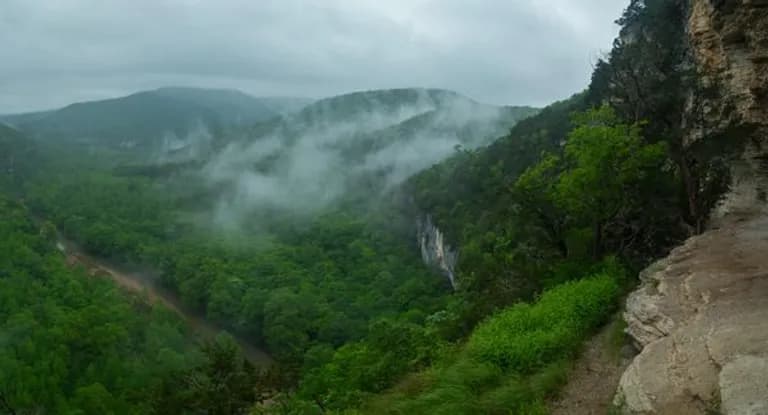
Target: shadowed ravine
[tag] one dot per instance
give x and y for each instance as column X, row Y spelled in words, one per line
column 137, row 282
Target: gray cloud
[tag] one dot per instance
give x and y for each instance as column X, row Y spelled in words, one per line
column 498, row 51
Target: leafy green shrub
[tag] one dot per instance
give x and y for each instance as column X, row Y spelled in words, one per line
column 525, row 337
column 517, row 359
column 72, row 344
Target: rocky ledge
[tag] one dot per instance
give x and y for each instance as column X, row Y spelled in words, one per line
column 700, row 318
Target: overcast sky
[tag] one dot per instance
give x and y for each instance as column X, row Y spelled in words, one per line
column 54, row 52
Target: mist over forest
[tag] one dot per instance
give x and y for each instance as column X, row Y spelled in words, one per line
column 363, row 143
column 386, row 208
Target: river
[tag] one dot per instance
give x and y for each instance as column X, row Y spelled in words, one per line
column 143, row 284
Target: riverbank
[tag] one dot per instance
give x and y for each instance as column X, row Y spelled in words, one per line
column 144, row 285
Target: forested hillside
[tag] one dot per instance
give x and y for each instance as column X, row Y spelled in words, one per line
column 508, row 206
column 610, row 174
column 73, row 343
column 349, row 148
column 298, row 233
column 161, row 121
column 314, row 282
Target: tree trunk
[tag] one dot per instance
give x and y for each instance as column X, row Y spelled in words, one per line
column 691, row 192
column 597, row 242
column 562, row 246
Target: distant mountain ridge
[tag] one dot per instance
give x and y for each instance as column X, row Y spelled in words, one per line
column 140, row 119
column 374, row 111
column 356, row 143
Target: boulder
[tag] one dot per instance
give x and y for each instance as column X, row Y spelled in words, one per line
column 700, row 318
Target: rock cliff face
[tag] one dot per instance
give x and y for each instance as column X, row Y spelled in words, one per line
column 729, row 47
column 700, row 316
column 435, row 251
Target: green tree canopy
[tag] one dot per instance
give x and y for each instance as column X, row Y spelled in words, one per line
column 601, row 176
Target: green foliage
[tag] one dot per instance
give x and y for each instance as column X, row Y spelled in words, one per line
column 340, row 299
column 355, row 370
column 345, row 305
column 70, row 343
column 465, row 194
column 504, row 252
column 73, row 344
column 649, row 76
column 605, row 173
column 300, row 289
column 515, row 360
column 524, row 337
column 223, row 383
column 606, row 159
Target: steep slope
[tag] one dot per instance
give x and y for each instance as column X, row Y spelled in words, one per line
column 466, row 201
column 691, row 74
column 455, row 197
column 349, row 303
column 700, row 314
column 729, row 45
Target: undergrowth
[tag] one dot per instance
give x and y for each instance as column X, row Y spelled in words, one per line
column 515, row 360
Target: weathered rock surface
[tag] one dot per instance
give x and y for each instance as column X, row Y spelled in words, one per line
column 700, row 317
column 435, row 251
column 729, row 39
column 729, row 46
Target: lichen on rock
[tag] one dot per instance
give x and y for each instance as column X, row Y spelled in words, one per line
column 729, row 46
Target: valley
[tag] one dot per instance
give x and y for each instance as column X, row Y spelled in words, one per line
column 141, row 283
column 399, row 250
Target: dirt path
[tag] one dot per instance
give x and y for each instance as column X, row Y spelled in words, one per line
column 595, row 376
column 137, row 283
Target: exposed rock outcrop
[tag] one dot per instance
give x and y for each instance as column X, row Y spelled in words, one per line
column 700, row 316
column 729, row 46
column 435, row 251
column 701, row 320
